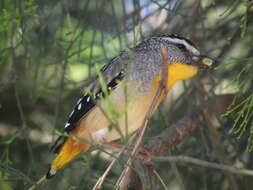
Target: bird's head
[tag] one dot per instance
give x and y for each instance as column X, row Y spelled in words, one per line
column 185, row 60
column 182, row 50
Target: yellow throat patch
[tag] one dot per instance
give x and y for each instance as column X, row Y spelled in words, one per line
column 176, row 72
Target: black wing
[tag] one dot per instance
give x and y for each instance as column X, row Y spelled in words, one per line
column 113, row 73
column 87, row 102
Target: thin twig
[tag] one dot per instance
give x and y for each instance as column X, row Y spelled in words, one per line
column 203, row 163
column 160, row 179
column 40, row 181
column 17, row 173
column 100, row 181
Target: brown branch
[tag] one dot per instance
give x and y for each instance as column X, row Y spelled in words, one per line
column 173, row 135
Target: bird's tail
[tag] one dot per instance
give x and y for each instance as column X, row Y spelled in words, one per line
column 69, row 150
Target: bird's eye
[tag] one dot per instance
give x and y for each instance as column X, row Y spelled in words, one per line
column 181, row 46
column 195, row 58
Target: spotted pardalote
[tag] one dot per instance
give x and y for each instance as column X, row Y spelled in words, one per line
column 119, row 97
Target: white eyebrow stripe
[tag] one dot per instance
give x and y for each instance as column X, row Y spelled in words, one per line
column 186, row 44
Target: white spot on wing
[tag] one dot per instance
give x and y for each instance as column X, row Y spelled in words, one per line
column 79, row 101
column 67, row 125
column 88, row 99
column 100, row 134
column 79, row 106
column 71, row 113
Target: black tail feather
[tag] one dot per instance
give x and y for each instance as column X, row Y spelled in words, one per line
column 51, row 173
column 56, row 147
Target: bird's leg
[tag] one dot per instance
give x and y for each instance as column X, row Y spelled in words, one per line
column 145, row 155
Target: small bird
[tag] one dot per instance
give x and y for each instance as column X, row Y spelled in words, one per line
column 118, row 99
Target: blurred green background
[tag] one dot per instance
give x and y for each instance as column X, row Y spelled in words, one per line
column 49, row 49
